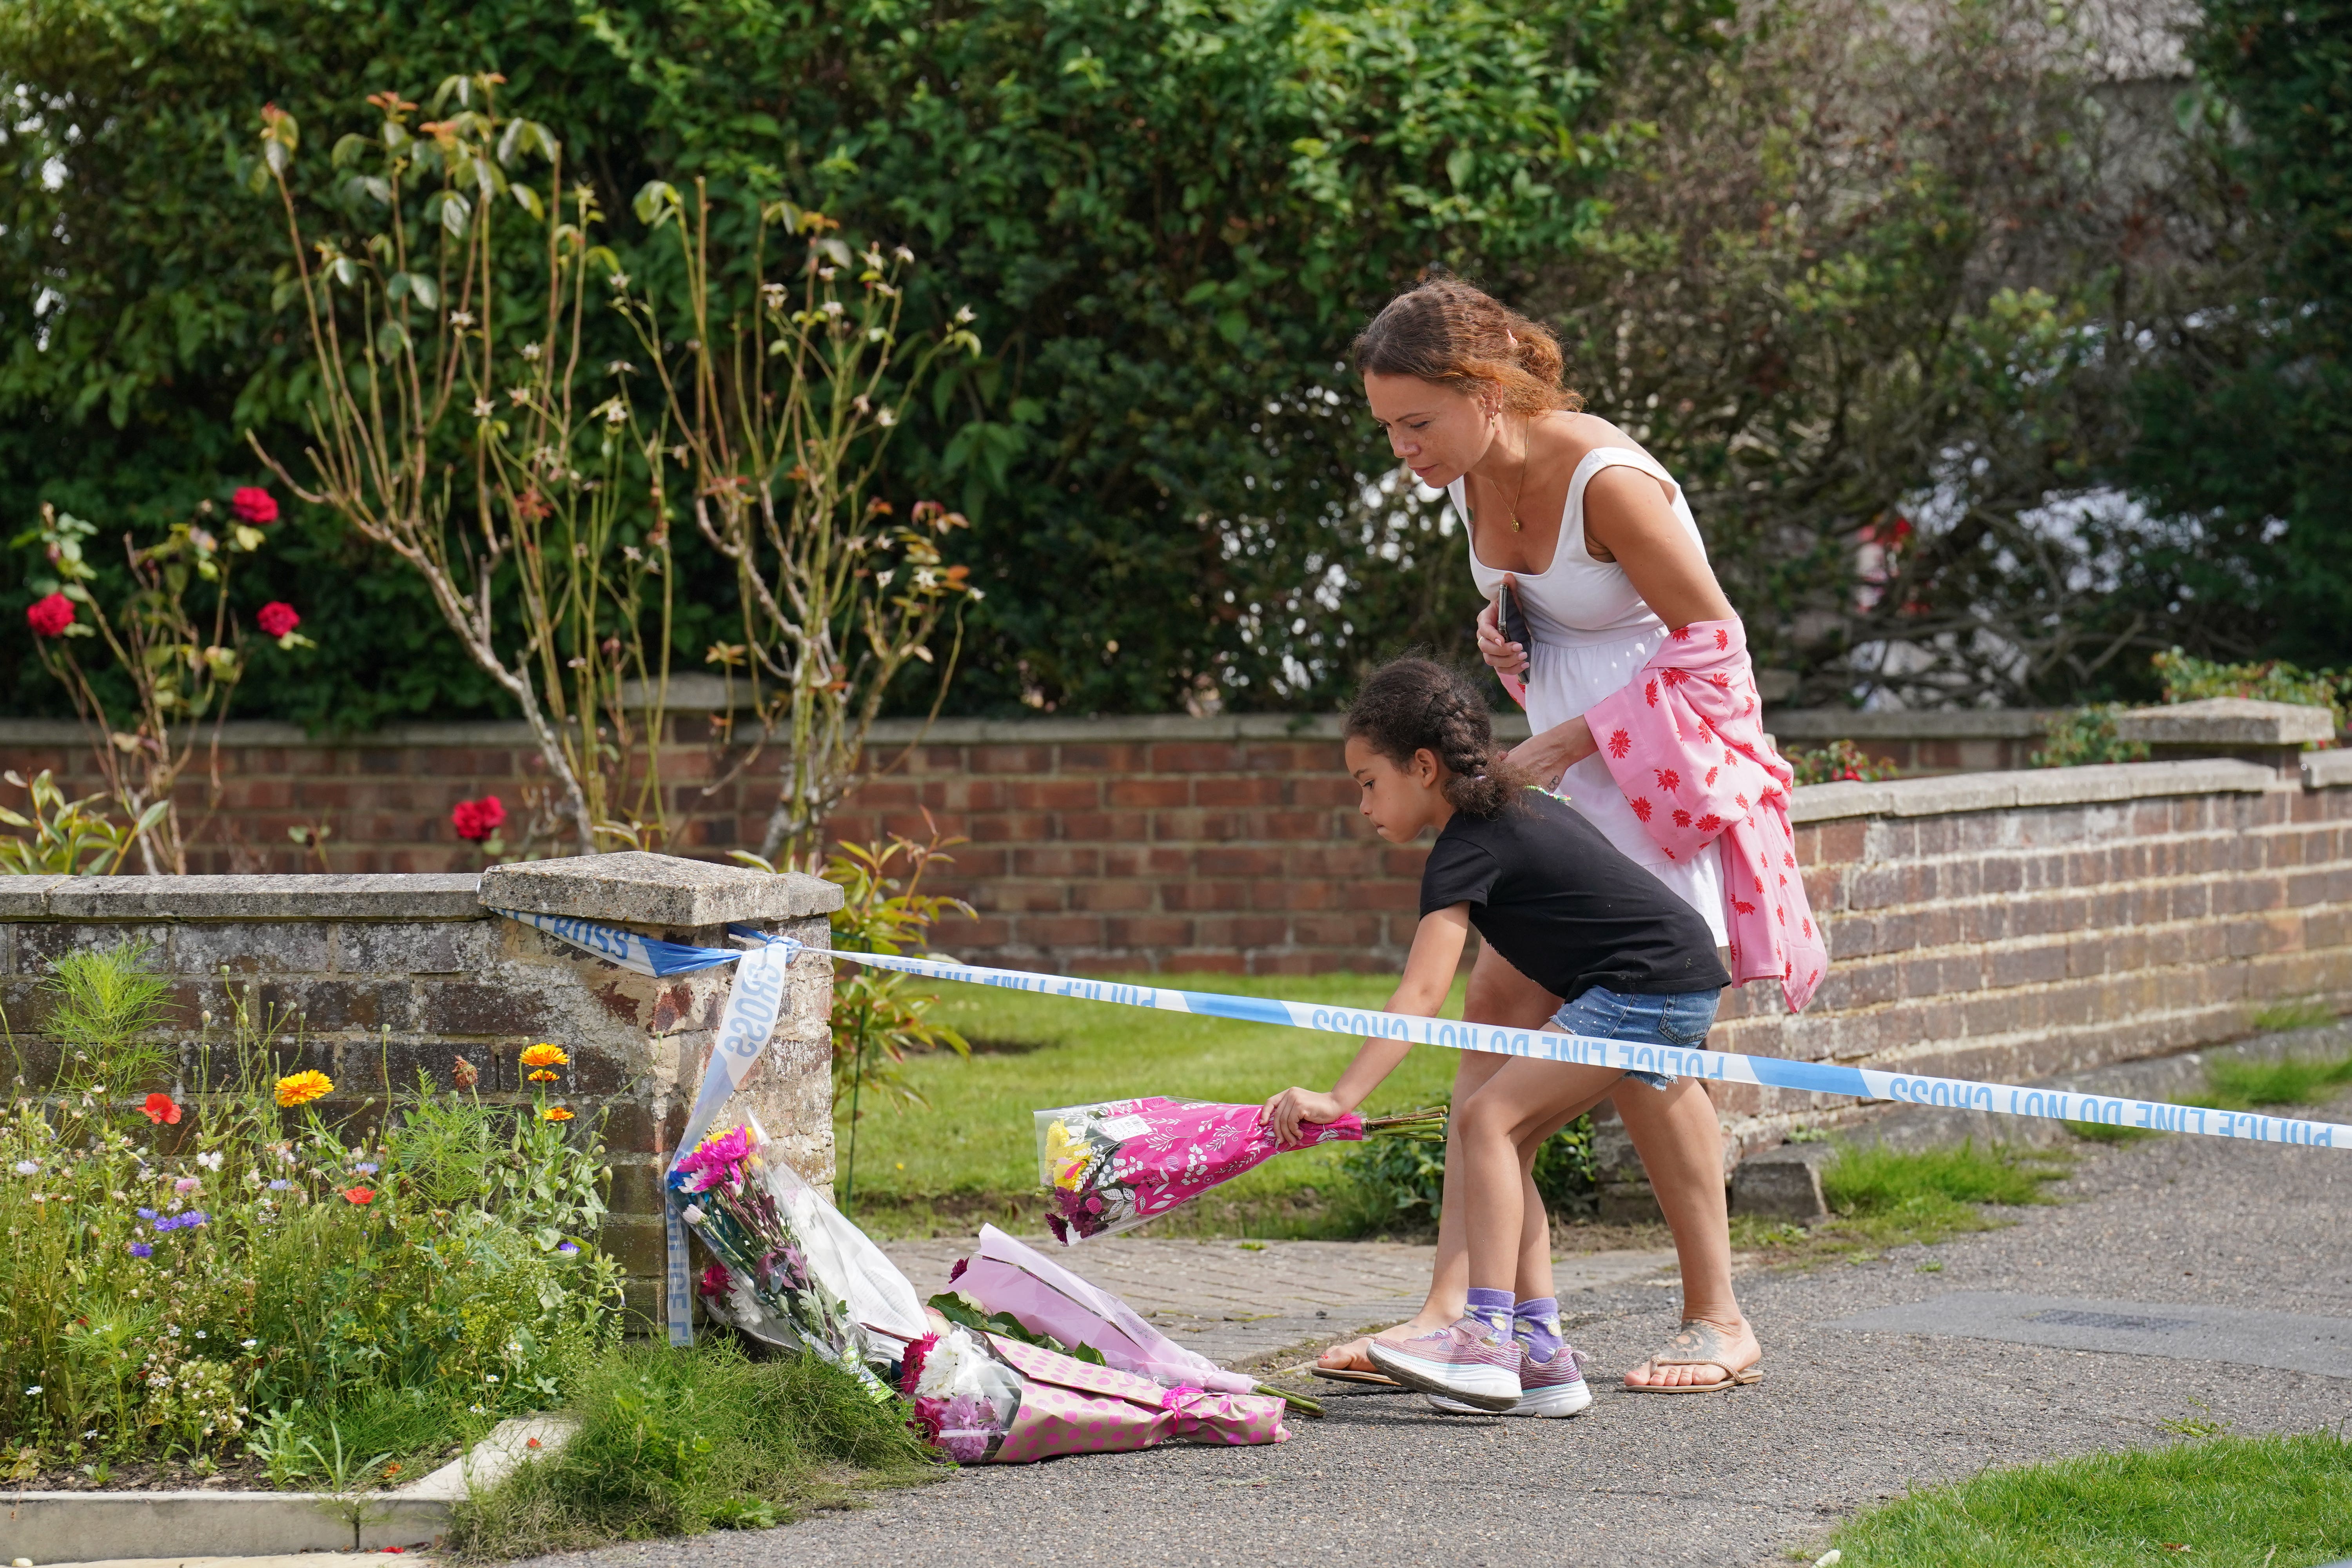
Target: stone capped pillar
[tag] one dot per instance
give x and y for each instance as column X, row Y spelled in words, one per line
column 662, row 1030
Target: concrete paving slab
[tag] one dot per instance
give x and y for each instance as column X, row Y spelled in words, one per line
column 1248, row 1304
column 2290, row 1341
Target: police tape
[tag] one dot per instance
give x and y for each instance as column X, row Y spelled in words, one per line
column 753, row 1005
column 1625, row 1056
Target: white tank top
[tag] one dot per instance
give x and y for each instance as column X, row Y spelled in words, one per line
column 1592, row 633
column 1577, row 601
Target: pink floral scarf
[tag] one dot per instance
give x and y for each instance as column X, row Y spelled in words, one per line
column 1684, row 741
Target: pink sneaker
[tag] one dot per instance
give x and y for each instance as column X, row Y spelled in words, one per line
column 1463, row 1361
column 1555, row 1388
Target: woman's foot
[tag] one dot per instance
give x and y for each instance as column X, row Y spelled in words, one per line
column 1355, row 1355
column 1701, row 1355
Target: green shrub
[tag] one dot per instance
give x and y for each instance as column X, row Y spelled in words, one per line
column 2187, row 679
column 1401, row 1181
column 194, row 1267
column 677, row 1442
column 2082, row 736
column 1839, row 761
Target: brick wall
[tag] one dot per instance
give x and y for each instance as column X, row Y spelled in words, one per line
column 2012, row 926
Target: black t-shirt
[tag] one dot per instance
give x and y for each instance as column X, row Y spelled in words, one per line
column 1565, row 905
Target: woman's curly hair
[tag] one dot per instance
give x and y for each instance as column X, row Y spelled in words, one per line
column 1409, row 705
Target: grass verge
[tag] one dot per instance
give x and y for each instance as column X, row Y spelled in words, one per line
column 2229, row 1502
column 2232, row 1085
column 970, row 1153
column 677, row 1442
column 1881, row 1198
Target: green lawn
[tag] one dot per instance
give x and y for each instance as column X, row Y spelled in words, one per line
column 2243, row 1503
column 971, row 1153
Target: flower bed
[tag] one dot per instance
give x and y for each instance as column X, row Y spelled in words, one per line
column 200, row 1277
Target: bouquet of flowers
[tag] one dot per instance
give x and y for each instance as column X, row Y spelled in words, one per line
column 794, row 1272
column 791, row 1270
column 1111, row 1166
column 1049, row 1301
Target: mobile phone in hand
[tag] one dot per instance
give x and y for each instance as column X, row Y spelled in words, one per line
column 1510, row 617
column 1513, row 623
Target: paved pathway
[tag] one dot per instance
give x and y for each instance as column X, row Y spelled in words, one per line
column 1264, row 1305
column 1844, row 1416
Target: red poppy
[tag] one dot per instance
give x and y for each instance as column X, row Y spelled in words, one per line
column 277, row 619
column 161, row 1109
column 476, row 820
column 254, row 505
column 359, row 1194
column 49, row 617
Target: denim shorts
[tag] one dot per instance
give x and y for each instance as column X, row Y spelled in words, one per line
column 1679, row 1021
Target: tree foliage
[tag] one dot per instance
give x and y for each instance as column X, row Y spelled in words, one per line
column 2246, row 423
column 1169, row 220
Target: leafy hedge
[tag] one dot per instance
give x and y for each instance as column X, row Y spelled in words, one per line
column 1170, row 218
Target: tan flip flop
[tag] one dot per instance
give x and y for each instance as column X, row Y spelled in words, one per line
column 1700, row 1344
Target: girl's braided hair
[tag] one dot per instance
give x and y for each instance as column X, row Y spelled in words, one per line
column 1417, row 704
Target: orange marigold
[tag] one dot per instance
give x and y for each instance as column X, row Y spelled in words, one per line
column 545, row 1076
column 544, row 1056
column 556, row 1113
column 302, row 1087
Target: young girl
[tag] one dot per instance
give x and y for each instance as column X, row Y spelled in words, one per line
column 1630, row 960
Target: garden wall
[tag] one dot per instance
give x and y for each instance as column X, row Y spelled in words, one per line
column 372, row 979
column 2005, row 925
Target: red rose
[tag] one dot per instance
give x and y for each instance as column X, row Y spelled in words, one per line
column 277, row 617
column 254, row 506
column 476, row 820
column 161, row 1109
column 49, row 617
column 362, row 1196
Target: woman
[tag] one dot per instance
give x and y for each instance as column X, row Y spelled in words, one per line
column 1566, row 512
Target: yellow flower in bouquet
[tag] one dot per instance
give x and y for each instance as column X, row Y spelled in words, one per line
column 545, row 1055
column 302, row 1087
column 1067, row 1155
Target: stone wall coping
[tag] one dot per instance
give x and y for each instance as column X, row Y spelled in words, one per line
column 1796, row 723
column 2331, row 769
column 2027, row 787
column 2227, row 721
column 411, row 896
column 1909, row 723
column 635, row 888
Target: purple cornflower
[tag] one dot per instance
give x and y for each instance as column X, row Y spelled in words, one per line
column 366, row 1169
column 568, row 1248
column 141, row 1249
column 147, row 1214
column 280, row 1184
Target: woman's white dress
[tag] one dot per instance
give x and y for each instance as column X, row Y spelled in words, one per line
column 1592, row 631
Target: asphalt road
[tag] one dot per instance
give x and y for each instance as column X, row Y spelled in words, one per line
column 1842, row 1419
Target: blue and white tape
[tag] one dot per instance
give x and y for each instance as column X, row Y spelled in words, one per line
column 753, row 1005
column 1721, row 1066
column 758, row 996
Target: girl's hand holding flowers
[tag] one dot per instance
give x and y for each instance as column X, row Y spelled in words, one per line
column 1284, row 1112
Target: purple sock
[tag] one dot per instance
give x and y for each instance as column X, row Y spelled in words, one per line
column 1537, row 1322
column 1492, row 1308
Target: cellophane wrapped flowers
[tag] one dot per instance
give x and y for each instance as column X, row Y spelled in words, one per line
column 1109, row 1167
